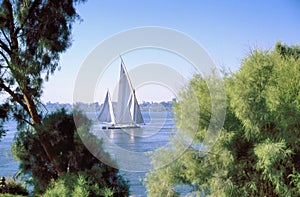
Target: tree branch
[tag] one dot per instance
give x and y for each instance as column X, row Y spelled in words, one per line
column 30, row 10
column 5, row 58
column 44, row 107
column 5, row 47
column 15, row 96
column 23, row 119
column 5, row 36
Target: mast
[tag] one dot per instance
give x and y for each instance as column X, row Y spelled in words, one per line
column 128, row 110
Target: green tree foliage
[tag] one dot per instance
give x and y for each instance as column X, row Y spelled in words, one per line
column 258, row 151
column 61, row 132
column 33, row 33
column 77, row 186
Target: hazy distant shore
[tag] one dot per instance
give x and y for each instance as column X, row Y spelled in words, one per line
column 144, row 106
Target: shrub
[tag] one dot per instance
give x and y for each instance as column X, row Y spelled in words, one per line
column 13, row 187
column 78, row 185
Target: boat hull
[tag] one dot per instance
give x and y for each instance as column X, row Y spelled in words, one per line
column 120, row 126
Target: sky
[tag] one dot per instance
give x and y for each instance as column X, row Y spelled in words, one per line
column 227, row 30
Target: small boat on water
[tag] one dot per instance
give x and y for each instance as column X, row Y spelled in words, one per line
column 127, row 113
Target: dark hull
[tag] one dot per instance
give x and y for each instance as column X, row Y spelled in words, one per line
column 120, row 126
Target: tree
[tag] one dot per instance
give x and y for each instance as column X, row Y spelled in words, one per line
column 3, row 117
column 83, row 168
column 258, row 151
column 33, row 34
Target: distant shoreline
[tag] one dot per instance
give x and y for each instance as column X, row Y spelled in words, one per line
column 144, row 106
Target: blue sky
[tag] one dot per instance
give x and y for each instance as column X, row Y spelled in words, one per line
column 226, row 29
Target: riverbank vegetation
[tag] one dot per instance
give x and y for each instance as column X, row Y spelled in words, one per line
column 83, row 171
column 258, row 150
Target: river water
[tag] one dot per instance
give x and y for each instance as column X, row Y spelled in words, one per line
column 8, row 166
column 129, row 147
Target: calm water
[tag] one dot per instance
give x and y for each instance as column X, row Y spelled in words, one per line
column 8, row 166
column 129, row 147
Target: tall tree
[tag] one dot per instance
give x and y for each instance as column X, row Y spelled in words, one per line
column 33, row 33
column 61, row 131
column 258, row 151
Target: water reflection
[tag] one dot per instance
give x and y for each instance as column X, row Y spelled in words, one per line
column 131, row 148
column 136, row 145
column 111, row 134
column 132, row 137
column 148, row 137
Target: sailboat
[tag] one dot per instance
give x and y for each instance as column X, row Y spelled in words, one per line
column 127, row 113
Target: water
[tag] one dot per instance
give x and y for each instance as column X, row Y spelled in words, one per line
column 133, row 142
column 8, row 166
column 130, row 148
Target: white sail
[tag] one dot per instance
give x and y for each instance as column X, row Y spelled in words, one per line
column 107, row 113
column 123, row 115
column 135, row 110
column 127, row 113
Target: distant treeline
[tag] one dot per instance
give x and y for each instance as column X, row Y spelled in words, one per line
column 145, row 106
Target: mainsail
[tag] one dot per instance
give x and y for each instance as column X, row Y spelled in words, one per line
column 107, row 113
column 123, row 115
column 127, row 112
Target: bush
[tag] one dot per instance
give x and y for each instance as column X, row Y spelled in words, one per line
column 258, row 150
column 78, row 185
column 13, row 187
